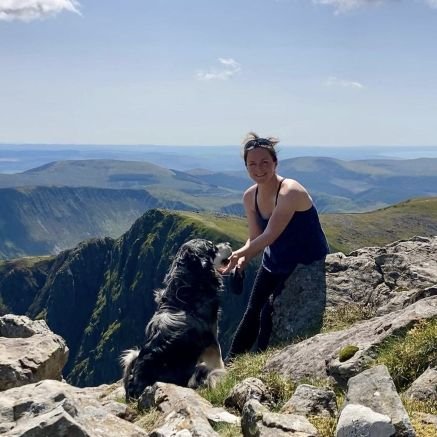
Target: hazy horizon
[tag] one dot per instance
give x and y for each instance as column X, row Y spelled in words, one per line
column 214, row 158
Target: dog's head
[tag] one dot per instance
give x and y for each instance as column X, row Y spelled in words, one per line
column 196, row 265
column 200, row 254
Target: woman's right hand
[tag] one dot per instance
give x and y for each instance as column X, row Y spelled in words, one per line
column 235, row 260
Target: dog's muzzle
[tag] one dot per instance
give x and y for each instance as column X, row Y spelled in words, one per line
column 223, row 254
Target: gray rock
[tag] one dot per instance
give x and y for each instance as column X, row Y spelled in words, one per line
column 424, row 388
column 318, row 356
column 403, row 299
column 375, row 389
column 13, row 326
column 53, row 408
column 258, row 421
column 29, row 352
column 250, row 388
column 312, row 401
column 184, row 411
column 372, row 277
column 360, row 421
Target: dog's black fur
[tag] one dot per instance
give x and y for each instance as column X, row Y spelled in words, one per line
column 181, row 345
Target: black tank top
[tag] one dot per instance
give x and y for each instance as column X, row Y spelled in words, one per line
column 301, row 242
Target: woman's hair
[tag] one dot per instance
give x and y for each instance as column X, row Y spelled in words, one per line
column 253, row 141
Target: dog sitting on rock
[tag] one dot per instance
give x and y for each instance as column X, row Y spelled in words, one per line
column 181, row 345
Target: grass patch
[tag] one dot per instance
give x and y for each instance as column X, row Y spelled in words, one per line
column 325, row 425
column 422, row 429
column 149, row 420
column 414, row 409
column 227, row 430
column 409, row 354
column 250, row 366
column 341, row 317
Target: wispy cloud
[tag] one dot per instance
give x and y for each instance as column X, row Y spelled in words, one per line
column 335, row 81
column 431, row 3
column 28, row 10
column 229, row 68
column 347, row 5
column 341, row 6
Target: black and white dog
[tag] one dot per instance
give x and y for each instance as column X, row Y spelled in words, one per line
column 181, row 345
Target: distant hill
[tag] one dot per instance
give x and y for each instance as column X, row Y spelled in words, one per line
column 162, row 183
column 99, row 295
column 349, row 186
column 336, row 185
column 347, row 232
column 46, row 220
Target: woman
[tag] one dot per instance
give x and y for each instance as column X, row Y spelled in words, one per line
column 284, row 224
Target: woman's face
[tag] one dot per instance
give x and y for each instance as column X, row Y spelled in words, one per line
column 260, row 165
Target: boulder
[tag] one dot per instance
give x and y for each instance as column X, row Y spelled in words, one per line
column 183, row 411
column 53, row 408
column 375, row 389
column 29, row 352
column 318, row 356
column 358, row 420
column 249, row 388
column 258, row 421
column 311, row 401
column 424, row 388
column 373, row 277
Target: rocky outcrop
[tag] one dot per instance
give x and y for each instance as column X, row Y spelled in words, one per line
column 372, row 407
column 258, row 421
column 184, row 411
column 29, row 352
column 53, row 408
column 390, row 277
column 318, row 356
column 308, row 400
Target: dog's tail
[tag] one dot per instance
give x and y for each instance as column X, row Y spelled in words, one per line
column 127, row 361
column 204, row 376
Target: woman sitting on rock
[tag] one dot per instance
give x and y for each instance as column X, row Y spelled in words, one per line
column 284, row 225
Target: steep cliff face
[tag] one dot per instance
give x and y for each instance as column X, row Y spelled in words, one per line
column 99, row 295
column 21, row 281
column 42, row 220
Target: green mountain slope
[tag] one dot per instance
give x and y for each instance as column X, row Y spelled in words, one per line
column 167, row 185
column 99, row 295
column 46, row 220
column 348, row 232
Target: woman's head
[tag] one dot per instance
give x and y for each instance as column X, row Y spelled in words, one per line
column 253, row 141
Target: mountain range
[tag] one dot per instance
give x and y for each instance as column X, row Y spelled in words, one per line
column 55, row 206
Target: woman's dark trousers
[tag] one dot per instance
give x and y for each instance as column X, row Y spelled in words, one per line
column 257, row 320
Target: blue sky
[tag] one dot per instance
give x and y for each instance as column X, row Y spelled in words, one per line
column 194, row 72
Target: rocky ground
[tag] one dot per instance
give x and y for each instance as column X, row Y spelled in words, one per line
column 397, row 284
